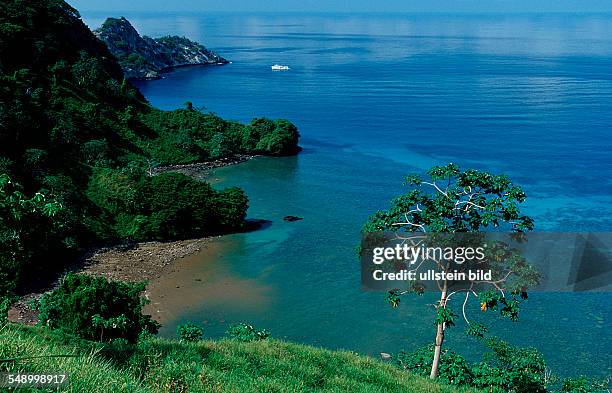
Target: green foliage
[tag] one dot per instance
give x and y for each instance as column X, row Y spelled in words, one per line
column 454, row 369
column 167, row 206
column 19, row 217
column 72, row 128
column 96, row 153
column 231, row 208
column 96, row 309
column 497, row 197
column 584, row 385
column 510, row 368
column 455, row 201
column 35, row 158
column 477, row 330
column 190, row 332
column 220, row 146
column 247, row 333
column 504, row 369
column 393, row 297
column 279, row 139
column 190, row 135
column 445, row 316
column 115, row 191
column 508, row 306
column 5, row 306
column 177, row 206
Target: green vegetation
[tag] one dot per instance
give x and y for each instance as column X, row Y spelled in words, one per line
column 156, row 365
column 96, row 309
column 187, row 135
column 190, row 332
column 505, row 368
column 167, row 206
column 127, row 56
column 247, row 333
column 75, row 134
column 454, row 369
column 454, row 201
column 583, row 384
column 19, row 217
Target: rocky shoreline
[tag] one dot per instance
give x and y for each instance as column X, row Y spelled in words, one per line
column 199, row 168
column 139, row 262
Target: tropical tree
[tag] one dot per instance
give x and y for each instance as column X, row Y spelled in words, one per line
column 456, row 202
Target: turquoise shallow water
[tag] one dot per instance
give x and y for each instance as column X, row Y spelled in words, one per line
column 376, row 97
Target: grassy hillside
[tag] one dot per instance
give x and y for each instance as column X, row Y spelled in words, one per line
column 158, row 365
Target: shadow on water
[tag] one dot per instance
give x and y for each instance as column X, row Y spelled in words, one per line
column 254, row 224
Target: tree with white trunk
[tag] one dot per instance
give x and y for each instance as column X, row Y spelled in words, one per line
column 455, row 206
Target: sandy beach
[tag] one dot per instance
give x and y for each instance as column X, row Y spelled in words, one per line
column 138, row 262
column 145, row 261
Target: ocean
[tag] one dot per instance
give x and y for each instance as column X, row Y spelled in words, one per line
column 377, row 97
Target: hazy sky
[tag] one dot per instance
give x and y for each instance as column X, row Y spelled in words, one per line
column 346, row 5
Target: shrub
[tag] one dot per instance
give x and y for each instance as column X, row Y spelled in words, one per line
column 189, row 135
column 34, row 158
column 96, row 309
column 454, row 369
column 508, row 367
column 505, row 368
column 247, row 333
column 190, row 332
column 584, row 385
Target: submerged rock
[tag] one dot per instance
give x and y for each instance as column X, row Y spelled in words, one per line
column 145, row 57
column 292, row 218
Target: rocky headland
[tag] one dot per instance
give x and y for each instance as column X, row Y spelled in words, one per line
column 143, row 57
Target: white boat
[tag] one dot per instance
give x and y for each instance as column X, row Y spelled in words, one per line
column 278, row 67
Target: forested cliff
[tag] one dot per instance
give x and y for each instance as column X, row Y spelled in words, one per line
column 77, row 142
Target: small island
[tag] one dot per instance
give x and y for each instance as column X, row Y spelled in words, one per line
column 143, row 57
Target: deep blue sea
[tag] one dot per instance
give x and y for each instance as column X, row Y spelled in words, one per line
column 377, row 97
